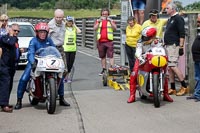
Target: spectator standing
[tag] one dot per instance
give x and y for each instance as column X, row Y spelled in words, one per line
column 13, row 32
column 57, row 34
column 174, row 38
column 3, row 27
column 156, row 22
column 8, row 61
column 133, row 33
column 105, row 27
column 70, row 46
column 138, row 10
column 196, row 58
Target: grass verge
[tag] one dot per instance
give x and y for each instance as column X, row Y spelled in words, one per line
column 40, row 13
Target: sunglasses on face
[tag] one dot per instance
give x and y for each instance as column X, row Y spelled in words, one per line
column 198, row 22
column 4, row 20
column 16, row 31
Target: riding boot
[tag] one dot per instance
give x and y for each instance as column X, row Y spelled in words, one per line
column 63, row 102
column 166, row 96
column 133, row 82
column 132, row 94
column 19, row 104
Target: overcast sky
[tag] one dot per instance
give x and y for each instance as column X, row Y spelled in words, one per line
column 187, row 2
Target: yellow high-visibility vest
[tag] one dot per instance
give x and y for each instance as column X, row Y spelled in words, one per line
column 109, row 31
column 70, row 40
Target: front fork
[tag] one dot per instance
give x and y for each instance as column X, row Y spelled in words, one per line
column 161, row 76
column 46, row 76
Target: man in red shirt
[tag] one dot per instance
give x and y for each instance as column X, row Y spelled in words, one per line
column 105, row 27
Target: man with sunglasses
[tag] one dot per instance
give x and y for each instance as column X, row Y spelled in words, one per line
column 9, row 60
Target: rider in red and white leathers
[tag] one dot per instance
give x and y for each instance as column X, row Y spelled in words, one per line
column 147, row 39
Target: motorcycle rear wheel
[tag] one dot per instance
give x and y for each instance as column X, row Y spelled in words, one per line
column 51, row 95
column 32, row 100
column 156, row 94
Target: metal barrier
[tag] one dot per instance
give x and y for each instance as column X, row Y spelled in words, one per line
column 87, row 38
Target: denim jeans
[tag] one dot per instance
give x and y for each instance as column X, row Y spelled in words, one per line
column 197, row 78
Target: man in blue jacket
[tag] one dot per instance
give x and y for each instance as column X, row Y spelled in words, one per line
column 9, row 57
column 40, row 41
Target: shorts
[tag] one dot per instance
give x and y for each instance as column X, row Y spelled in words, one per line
column 105, row 48
column 173, row 55
column 138, row 4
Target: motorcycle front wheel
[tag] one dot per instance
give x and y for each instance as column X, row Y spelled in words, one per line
column 51, row 95
column 156, row 93
column 104, row 78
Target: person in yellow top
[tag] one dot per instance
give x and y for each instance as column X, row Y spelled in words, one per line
column 133, row 33
column 70, row 44
column 156, row 22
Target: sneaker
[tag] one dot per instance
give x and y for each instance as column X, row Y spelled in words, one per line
column 101, row 73
column 65, row 80
column 69, row 81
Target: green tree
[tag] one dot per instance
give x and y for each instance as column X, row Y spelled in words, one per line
column 46, row 5
column 194, row 6
column 64, row 4
column 179, row 5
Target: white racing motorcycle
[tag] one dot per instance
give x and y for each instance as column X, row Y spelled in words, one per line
column 45, row 79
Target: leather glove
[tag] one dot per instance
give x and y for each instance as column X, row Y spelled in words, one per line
column 33, row 66
column 141, row 60
column 181, row 52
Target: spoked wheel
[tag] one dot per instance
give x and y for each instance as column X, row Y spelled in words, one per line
column 32, row 100
column 142, row 96
column 30, row 89
column 104, row 78
column 156, row 93
column 51, row 95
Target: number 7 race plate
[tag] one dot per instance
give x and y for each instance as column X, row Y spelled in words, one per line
column 52, row 63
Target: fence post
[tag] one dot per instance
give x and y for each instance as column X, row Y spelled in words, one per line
column 95, row 39
column 125, row 13
column 3, row 8
column 83, row 32
column 191, row 36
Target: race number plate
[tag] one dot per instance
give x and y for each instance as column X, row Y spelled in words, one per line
column 52, row 63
